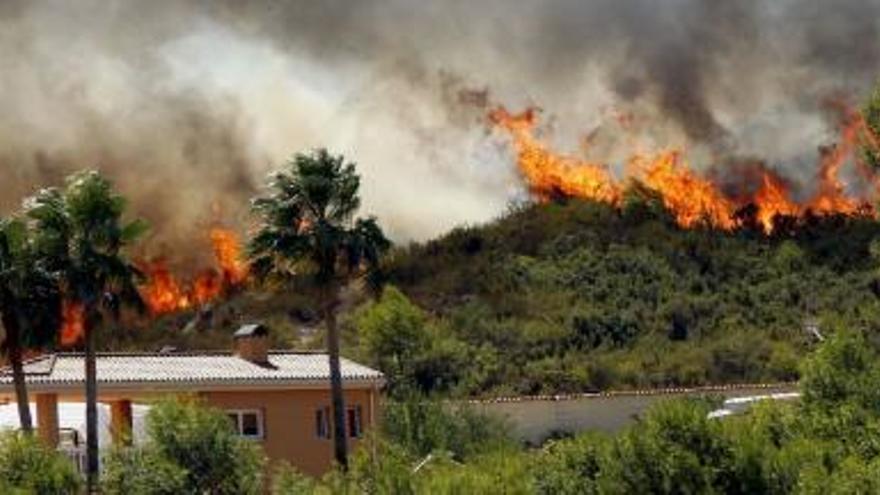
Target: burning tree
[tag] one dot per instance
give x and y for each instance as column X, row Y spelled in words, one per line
column 308, row 225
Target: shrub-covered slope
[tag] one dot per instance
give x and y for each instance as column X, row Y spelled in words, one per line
column 573, row 296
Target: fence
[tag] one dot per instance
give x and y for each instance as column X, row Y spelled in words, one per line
column 534, row 419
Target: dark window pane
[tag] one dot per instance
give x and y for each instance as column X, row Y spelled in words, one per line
column 319, row 423
column 323, row 422
column 354, row 422
column 250, row 425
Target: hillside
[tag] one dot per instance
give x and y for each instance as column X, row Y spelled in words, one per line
column 572, row 296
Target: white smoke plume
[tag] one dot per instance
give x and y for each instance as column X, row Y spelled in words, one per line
column 187, row 105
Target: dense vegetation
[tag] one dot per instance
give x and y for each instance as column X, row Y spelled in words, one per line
column 575, row 296
column 190, row 449
column 827, row 443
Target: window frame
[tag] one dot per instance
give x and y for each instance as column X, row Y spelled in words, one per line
column 324, row 422
column 239, row 422
column 356, row 427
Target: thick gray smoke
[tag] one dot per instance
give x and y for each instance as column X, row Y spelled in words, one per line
column 188, row 105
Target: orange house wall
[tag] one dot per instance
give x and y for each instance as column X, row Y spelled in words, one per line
column 289, row 422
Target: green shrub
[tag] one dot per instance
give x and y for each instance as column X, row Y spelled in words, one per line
column 28, row 466
column 142, row 471
column 287, row 480
column 190, row 449
column 424, row 426
column 571, row 466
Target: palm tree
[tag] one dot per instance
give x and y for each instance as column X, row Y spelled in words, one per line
column 81, row 228
column 308, row 225
column 30, row 305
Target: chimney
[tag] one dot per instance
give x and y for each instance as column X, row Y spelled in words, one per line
column 251, row 342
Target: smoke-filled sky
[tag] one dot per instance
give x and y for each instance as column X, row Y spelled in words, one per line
column 188, row 104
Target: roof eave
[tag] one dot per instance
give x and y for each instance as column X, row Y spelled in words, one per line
column 197, row 386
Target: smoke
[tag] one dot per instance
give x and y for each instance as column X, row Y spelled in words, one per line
column 188, row 105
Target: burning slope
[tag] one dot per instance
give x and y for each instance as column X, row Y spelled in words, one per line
column 548, row 173
column 164, row 293
column 73, row 323
column 693, row 199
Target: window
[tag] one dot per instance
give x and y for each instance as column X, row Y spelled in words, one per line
column 354, row 422
column 248, row 424
column 324, row 422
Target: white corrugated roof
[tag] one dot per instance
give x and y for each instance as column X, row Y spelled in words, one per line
column 284, row 368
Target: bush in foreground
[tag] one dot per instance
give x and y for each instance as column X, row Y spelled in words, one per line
column 27, row 466
column 829, row 443
column 190, row 449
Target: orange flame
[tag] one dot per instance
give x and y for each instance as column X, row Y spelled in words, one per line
column 772, row 201
column 549, row 174
column 163, row 293
column 72, row 324
column 692, row 199
column 227, row 252
column 831, row 195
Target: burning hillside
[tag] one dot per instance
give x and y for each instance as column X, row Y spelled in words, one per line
column 164, row 292
column 695, row 199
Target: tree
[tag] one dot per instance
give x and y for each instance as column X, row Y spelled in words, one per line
column 308, row 225
column 80, row 228
column 393, row 334
column 29, row 466
column 190, row 449
column 30, row 304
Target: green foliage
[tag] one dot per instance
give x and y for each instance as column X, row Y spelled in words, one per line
column 200, row 442
column 392, row 471
column 498, row 472
column 871, row 113
column 676, row 449
column 28, row 466
column 142, row 471
column 30, row 299
column 83, row 236
column 578, row 296
column 571, row 466
column 844, row 370
column 286, row 479
column 393, row 334
column 422, row 426
column 308, row 224
column 826, row 444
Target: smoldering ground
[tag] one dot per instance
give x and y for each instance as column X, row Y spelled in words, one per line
column 187, row 105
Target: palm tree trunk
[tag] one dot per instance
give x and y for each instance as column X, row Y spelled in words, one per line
column 13, row 349
column 340, row 444
column 91, row 404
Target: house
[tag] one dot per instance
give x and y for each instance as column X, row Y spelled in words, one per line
column 280, row 399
